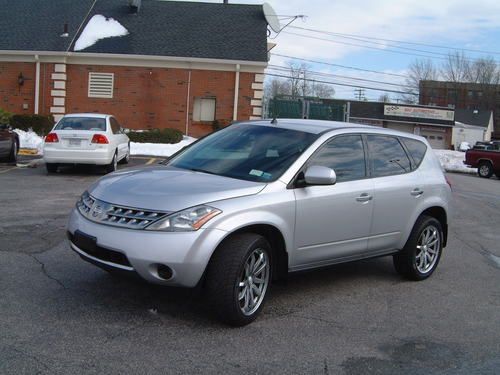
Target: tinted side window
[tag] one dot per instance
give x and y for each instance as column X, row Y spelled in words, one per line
column 115, row 126
column 387, row 155
column 345, row 155
column 416, row 149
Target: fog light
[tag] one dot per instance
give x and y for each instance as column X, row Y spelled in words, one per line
column 165, row 272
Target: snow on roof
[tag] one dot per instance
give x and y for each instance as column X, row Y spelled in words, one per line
column 99, row 27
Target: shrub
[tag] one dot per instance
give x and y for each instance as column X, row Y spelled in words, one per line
column 40, row 124
column 156, row 136
column 4, row 117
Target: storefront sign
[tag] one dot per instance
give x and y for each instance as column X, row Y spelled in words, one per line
column 419, row 112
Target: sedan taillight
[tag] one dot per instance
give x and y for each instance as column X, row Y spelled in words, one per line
column 100, row 139
column 51, row 138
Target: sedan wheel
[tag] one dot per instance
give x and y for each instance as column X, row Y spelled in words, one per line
column 113, row 166
column 13, row 153
column 238, row 278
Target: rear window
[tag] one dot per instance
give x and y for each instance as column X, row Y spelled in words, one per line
column 81, row 123
column 416, row 149
column 387, row 156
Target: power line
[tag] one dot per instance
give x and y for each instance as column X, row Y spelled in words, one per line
column 396, row 41
column 344, row 84
column 279, row 67
column 340, row 66
column 364, row 46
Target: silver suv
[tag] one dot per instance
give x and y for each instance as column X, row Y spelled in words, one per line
column 256, row 200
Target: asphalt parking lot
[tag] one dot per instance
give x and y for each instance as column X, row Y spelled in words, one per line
column 59, row 314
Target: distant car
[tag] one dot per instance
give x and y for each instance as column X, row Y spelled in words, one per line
column 9, row 144
column 255, row 200
column 86, row 138
column 464, row 146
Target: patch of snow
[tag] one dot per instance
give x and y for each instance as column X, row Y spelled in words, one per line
column 99, row 27
column 159, row 149
column 453, row 161
column 29, row 139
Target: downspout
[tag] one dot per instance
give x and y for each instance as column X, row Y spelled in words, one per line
column 236, row 93
column 37, row 85
column 188, row 102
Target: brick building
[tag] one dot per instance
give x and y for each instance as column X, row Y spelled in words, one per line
column 470, row 96
column 182, row 65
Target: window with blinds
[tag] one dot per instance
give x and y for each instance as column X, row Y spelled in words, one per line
column 101, row 85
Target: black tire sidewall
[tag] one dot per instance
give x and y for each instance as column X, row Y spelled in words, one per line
column 407, row 257
column 490, row 170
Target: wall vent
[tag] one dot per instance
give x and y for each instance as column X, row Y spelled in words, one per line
column 101, row 85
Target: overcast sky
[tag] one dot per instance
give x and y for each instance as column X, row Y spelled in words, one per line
column 456, row 24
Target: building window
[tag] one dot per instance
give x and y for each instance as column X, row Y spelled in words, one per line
column 101, row 85
column 204, row 109
column 470, row 93
column 480, row 94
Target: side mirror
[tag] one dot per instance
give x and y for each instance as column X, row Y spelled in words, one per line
column 318, row 175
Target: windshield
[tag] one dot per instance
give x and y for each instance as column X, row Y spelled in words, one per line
column 246, row 152
column 81, row 123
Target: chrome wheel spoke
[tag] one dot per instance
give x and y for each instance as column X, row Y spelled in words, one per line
column 428, row 248
column 253, row 282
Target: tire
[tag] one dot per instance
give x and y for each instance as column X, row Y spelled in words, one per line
column 126, row 159
column 230, row 284
column 485, row 169
column 13, row 153
column 51, row 167
column 113, row 166
column 426, row 232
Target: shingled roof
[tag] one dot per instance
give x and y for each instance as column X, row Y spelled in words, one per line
column 473, row 117
column 160, row 28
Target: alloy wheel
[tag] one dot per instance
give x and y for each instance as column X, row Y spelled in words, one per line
column 428, row 248
column 253, row 282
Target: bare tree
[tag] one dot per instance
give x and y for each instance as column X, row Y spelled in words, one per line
column 322, row 90
column 276, row 87
column 385, row 98
column 485, row 71
column 419, row 70
column 456, row 68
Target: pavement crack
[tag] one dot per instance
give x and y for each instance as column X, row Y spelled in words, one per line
column 44, row 271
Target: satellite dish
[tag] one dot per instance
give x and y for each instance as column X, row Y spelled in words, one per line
column 271, row 18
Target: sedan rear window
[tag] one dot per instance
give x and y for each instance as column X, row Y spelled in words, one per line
column 246, row 152
column 81, row 123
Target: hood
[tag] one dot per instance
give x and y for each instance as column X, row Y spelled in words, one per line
column 168, row 189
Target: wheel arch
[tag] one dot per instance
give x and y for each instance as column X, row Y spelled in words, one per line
column 440, row 214
column 275, row 238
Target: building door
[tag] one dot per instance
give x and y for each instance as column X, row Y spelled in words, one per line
column 435, row 138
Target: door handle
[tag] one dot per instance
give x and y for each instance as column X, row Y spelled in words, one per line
column 417, row 192
column 365, row 197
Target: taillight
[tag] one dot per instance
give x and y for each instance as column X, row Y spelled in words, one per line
column 51, row 138
column 99, row 138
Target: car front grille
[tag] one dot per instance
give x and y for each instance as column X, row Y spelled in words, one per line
column 119, row 216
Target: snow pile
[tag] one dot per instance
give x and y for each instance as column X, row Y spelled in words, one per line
column 29, row 139
column 99, row 27
column 453, row 161
column 159, row 149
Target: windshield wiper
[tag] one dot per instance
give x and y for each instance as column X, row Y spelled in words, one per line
column 202, row 171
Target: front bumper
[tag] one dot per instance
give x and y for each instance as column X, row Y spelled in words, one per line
column 69, row 156
column 185, row 253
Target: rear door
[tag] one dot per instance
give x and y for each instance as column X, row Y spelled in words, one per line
column 120, row 140
column 397, row 190
column 333, row 222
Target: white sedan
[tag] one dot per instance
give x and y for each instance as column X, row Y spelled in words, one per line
column 86, row 138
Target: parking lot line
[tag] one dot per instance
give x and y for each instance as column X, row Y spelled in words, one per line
column 6, row 170
column 150, row 161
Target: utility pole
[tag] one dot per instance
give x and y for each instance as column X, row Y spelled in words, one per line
column 359, row 94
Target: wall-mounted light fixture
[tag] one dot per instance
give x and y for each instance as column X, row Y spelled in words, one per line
column 20, row 79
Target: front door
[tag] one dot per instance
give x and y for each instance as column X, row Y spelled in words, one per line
column 333, row 222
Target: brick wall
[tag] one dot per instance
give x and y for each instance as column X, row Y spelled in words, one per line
column 13, row 96
column 145, row 98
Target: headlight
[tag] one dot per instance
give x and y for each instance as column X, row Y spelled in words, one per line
column 188, row 220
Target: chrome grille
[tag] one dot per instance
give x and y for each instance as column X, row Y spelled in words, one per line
column 119, row 216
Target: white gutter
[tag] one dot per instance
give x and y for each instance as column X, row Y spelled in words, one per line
column 37, row 85
column 188, row 102
column 236, row 93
